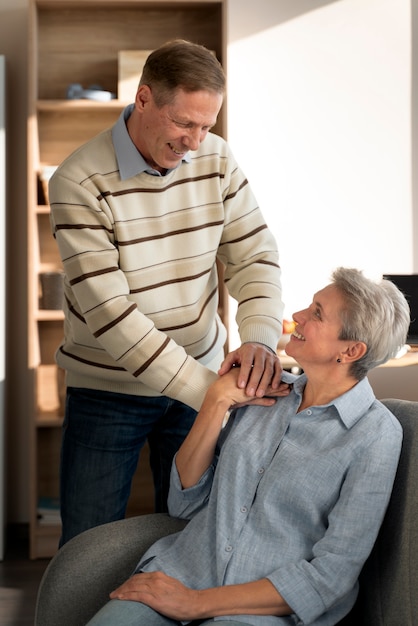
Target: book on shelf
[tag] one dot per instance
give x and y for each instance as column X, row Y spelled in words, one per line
column 49, row 510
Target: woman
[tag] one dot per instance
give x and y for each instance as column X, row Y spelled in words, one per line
column 286, row 500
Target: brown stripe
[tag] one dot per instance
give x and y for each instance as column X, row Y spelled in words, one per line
column 265, row 262
column 116, row 321
column 175, row 375
column 100, row 174
column 199, row 356
column 82, row 227
column 268, row 317
column 184, row 181
column 88, row 362
column 232, row 195
column 74, row 312
column 170, row 282
column 214, row 292
column 79, row 279
column 196, row 357
column 254, row 298
column 150, row 360
column 171, row 233
column 247, row 235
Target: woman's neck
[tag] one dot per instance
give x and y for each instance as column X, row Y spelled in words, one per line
column 320, row 392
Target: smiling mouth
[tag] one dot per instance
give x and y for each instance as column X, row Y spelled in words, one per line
column 298, row 335
column 177, row 152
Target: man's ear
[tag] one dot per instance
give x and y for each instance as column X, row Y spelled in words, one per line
column 143, row 96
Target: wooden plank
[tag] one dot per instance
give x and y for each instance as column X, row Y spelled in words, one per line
column 130, row 66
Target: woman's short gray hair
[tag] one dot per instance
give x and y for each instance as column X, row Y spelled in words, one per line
column 376, row 313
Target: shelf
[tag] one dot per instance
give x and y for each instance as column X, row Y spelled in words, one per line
column 53, row 266
column 49, row 420
column 90, row 106
column 42, row 209
column 56, row 127
column 46, row 529
column 44, row 541
column 48, row 315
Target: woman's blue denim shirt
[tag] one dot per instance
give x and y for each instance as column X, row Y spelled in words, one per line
column 297, row 498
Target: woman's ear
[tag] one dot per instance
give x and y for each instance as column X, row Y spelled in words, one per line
column 355, row 351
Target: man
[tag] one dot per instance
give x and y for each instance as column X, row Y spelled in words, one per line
column 141, row 214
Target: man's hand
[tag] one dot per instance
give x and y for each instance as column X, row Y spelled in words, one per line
column 162, row 593
column 260, row 369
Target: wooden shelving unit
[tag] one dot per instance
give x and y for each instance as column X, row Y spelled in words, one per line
column 78, row 42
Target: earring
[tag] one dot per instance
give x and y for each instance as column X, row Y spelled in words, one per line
column 338, row 360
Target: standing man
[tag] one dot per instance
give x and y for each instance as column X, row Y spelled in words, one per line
column 141, row 214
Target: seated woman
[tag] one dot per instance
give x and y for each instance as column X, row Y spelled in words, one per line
column 285, row 501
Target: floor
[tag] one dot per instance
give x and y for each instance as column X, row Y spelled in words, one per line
column 19, row 580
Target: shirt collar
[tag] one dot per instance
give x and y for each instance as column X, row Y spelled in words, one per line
column 350, row 406
column 130, row 160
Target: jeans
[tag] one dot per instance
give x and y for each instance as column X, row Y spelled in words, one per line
column 128, row 613
column 103, row 434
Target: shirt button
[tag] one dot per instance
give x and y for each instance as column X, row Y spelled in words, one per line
column 243, row 509
column 309, row 412
column 261, row 470
column 228, row 549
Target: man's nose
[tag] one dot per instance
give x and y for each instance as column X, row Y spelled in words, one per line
column 194, row 138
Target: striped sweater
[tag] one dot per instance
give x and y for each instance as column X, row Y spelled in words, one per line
column 141, row 285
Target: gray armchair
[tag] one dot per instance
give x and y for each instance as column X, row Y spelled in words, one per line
column 81, row 575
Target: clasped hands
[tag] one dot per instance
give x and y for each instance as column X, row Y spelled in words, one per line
column 259, row 373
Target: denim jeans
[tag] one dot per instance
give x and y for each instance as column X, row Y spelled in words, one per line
column 103, row 434
column 128, row 613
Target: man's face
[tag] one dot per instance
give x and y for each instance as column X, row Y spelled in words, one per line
column 164, row 135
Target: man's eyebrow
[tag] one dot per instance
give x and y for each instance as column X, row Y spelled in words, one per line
column 189, row 122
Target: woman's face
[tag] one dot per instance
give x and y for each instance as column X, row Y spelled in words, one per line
column 316, row 336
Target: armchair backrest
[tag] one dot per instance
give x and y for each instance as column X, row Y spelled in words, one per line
column 389, row 580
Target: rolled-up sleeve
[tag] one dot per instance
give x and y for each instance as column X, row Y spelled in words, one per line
column 185, row 503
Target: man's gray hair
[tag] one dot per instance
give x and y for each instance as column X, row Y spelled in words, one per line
column 182, row 64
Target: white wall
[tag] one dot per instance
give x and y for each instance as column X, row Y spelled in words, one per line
column 319, row 117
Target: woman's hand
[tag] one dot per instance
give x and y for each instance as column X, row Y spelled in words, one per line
column 162, row 593
column 171, row 598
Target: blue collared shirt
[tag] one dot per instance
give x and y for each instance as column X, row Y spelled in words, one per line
column 297, row 498
column 130, row 160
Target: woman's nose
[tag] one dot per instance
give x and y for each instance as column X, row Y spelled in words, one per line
column 298, row 317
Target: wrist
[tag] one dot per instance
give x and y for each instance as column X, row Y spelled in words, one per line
column 217, row 404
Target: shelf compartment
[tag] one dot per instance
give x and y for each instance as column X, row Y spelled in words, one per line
column 56, row 127
column 44, row 541
column 50, row 386
column 63, row 130
column 101, row 31
column 47, row 247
